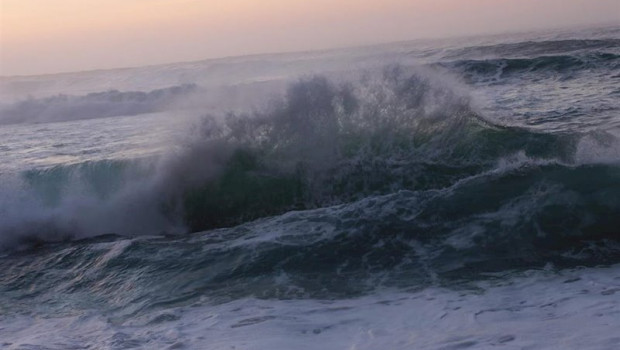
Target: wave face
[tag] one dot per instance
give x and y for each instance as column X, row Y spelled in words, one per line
column 482, row 181
column 525, row 217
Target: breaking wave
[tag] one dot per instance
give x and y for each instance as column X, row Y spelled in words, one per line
column 369, row 171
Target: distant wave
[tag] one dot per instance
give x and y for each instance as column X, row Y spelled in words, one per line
column 94, row 105
column 504, row 67
column 534, row 48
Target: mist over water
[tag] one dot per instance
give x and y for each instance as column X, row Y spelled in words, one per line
column 256, row 197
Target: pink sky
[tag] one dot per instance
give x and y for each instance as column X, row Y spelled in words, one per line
column 48, row 36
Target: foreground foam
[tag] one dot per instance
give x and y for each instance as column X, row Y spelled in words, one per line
column 533, row 309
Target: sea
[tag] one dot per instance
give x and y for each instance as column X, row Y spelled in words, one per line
column 431, row 194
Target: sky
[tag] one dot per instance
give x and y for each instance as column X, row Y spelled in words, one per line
column 50, row 36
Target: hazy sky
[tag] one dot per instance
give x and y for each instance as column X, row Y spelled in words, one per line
column 47, row 36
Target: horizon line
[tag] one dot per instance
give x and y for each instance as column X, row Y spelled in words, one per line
column 318, row 50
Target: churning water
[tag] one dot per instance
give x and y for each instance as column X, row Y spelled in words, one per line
column 424, row 195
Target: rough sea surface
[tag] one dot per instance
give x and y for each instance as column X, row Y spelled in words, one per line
column 451, row 194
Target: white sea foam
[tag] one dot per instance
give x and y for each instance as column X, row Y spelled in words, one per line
column 573, row 309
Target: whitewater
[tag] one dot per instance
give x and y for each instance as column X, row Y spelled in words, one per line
column 444, row 194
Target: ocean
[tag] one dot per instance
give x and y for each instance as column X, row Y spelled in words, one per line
column 432, row 194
